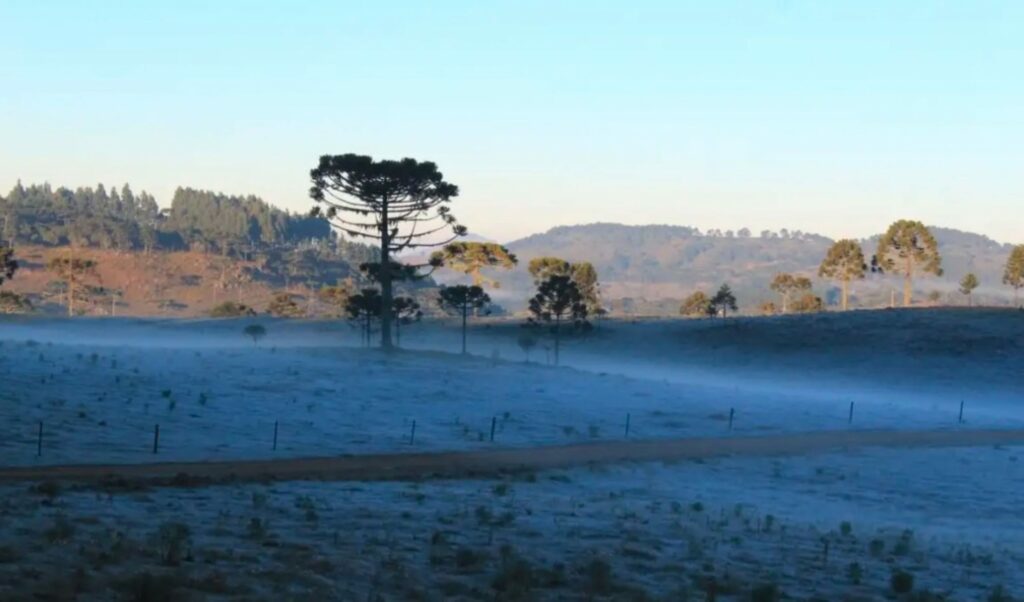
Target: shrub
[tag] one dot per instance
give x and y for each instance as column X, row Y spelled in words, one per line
column 767, row 592
column 902, row 582
column 173, row 540
column 230, row 309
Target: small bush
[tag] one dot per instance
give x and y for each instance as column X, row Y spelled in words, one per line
column 768, row 592
column 62, row 530
column 902, row 582
column 173, row 539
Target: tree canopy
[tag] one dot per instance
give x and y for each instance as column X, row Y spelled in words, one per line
column 1013, row 275
column 558, row 300
column 697, row 305
column 472, row 257
column 723, row 302
column 788, row 284
column 844, row 262
column 967, row 285
column 582, row 273
column 908, row 248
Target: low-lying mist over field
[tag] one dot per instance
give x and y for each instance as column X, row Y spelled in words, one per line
column 808, row 523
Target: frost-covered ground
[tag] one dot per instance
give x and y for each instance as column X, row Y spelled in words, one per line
column 100, row 387
column 949, row 518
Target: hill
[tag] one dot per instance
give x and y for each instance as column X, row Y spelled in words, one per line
column 647, row 269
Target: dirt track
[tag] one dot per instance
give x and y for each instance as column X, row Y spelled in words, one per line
column 490, row 462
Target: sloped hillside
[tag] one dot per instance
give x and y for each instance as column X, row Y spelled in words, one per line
column 180, row 284
column 654, row 266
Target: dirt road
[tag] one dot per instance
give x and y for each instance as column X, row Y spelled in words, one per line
column 464, row 464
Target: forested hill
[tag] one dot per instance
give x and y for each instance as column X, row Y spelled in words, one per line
column 644, row 264
column 123, row 220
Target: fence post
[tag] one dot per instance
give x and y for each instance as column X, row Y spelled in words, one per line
column 156, row 437
column 627, row 425
column 732, row 414
column 961, row 419
column 851, row 413
column 39, row 441
column 412, row 435
column 275, row 436
column 494, row 424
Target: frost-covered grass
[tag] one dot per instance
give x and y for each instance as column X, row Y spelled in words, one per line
column 215, row 395
column 825, row 527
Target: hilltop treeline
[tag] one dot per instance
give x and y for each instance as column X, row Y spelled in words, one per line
column 124, row 220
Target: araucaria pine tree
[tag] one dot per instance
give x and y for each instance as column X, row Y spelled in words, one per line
column 472, row 257
column 463, row 301
column 845, row 263
column 788, row 284
column 73, row 271
column 399, row 204
column 908, row 248
column 967, row 286
column 1013, row 276
column 558, row 300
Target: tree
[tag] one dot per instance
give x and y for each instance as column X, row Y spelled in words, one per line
column 697, row 305
column 13, row 303
column 406, row 310
column 722, row 302
column 255, row 332
column 7, row 264
column 907, row 248
column 967, row 285
column 558, row 299
column 73, row 271
column 471, row 257
column 787, row 284
column 399, row 204
column 845, row 263
column 807, row 303
column 364, row 307
column 1014, row 273
column 582, row 273
column 526, row 342
column 283, row 305
column 463, row 300
column 231, row 309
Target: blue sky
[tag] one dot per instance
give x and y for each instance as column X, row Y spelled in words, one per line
column 829, row 117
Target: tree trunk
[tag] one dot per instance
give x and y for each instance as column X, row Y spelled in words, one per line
column 846, row 286
column 465, row 309
column 558, row 336
column 385, row 277
column 908, row 283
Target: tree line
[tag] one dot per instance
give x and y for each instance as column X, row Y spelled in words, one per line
column 120, row 219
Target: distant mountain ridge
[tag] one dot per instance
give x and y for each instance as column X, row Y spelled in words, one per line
column 658, row 264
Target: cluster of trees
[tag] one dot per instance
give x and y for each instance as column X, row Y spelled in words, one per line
column 907, row 249
column 700, row 305
column 123, row 220
column 10, row 302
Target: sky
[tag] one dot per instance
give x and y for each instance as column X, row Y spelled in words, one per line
column 827, row 117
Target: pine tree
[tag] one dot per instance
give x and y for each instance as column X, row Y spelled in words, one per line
column 463, row 301
column 845, row 263
column 1013, row 275
column 723, row 301
column 398, row 204
column 787, row 284
column 967, row 285
column 471, row 257
column 558, row 299
column 909, row 249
